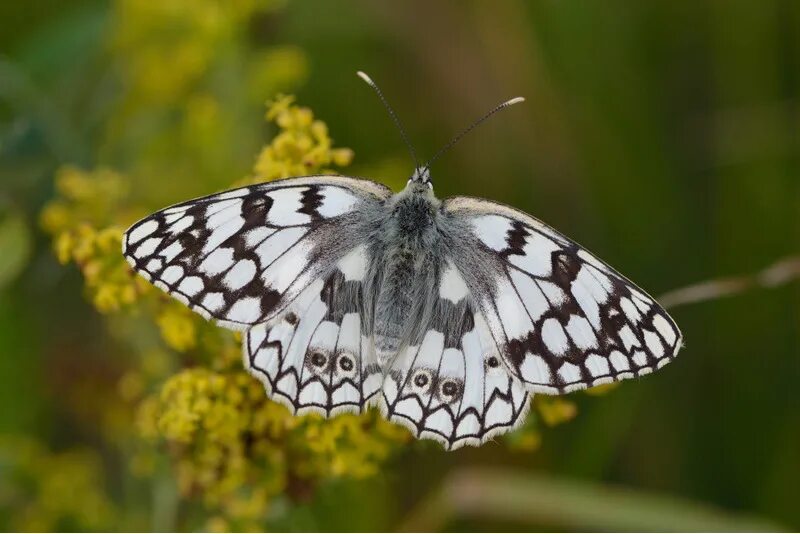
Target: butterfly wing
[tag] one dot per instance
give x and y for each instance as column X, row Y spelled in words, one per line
column 562, row 319
column 450, row 384
column 317, row 355
column 240, row 257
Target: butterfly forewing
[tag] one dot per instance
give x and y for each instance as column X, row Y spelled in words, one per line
column 242, row 256
column 562, row 319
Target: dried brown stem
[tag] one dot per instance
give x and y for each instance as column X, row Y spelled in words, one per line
column 777, row 274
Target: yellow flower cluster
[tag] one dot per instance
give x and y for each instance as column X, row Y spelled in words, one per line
column 230, row 446
column 555, row 410
column 178, row 325
column 302, row 147
column 83, row 223
column 45, row 491
column 188, row 75
column 239, row 450
column 245, row 438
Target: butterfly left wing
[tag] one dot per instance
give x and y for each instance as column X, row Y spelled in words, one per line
column 563, row 319
column 317, row 355
column 286, row 261
column 240, row 257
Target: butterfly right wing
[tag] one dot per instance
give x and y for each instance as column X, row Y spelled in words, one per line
column 563, row 319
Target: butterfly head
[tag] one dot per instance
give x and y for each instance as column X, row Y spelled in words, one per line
column 421, row 175
column 420, row 180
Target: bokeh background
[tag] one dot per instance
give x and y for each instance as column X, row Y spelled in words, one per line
column 662, row 135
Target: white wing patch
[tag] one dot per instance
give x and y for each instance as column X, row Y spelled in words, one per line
column 354, row 264
column 452, row 286
column 491, row 230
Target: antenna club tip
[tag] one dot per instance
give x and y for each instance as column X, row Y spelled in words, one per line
column 515, row 100
column 363, row 75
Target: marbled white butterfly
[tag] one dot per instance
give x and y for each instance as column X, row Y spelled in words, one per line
column 447, row 315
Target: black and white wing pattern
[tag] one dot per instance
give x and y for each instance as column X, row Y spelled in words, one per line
column 242, row 256
column 508, row 306
column 317, row 354
column 451, row 384
column 562, row 319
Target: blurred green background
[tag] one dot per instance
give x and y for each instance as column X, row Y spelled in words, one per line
column 662, row 135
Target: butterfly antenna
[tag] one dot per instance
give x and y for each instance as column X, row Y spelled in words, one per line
column 397, row 123
column 471, row 127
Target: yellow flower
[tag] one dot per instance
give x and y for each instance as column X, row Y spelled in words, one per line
column 180, row 123
column 555, row 410
column 177, row 324
column 302, row 146
column 602, row 389
column 241, row 449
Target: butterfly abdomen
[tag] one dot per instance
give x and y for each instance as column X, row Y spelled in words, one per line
column 408, row 269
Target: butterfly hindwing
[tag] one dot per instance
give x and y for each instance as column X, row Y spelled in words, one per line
column 316, row 355
column 450, row 384
column 241, row 256
column 563, row 319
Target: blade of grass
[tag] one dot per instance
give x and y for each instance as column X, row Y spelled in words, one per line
column 570, row 505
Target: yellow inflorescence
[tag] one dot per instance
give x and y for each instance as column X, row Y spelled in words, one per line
column 180, row 125
column 230, row 446
column 83, row 225
column 302, row 147
column 555, row 410
column 230, row 440
column 178, row 325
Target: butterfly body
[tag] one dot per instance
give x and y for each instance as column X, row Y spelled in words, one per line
column 446, row 315
column 406, row 256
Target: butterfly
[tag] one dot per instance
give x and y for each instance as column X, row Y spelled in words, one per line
column 448, row 315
